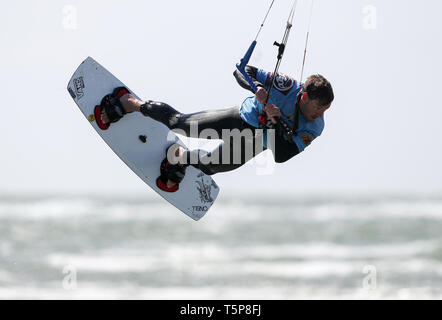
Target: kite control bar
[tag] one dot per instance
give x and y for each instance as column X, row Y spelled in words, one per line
column 242, row 66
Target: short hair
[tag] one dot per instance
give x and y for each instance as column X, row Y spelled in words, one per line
column 319, row 88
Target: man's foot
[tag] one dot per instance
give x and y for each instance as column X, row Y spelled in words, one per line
column 175, row 156
column 173, row 169
column 129, row 103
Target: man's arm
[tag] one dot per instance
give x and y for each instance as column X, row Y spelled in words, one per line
column 252, row 73
column 264, row 79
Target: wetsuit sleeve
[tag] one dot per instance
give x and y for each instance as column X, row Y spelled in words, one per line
column 264, row 79
column 253, row 73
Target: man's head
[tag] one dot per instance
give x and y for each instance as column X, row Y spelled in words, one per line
column 317, row 97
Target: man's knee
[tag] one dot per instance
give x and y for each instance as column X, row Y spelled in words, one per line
column 163, row 113
column 282, row 159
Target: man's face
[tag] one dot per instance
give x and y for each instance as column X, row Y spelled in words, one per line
column 311, row 109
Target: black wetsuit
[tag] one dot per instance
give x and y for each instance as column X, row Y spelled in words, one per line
column 226, row 118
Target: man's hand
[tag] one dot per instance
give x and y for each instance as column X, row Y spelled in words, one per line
column 272, row 112
column 261, row 95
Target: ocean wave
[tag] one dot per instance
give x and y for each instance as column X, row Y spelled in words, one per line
column 110, row 291
column 241, row 208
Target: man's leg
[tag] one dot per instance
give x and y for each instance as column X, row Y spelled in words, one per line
column 239, row 140
column 283, row 150
column 237, row 148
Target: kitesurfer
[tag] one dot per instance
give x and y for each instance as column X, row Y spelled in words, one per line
column 300, row 106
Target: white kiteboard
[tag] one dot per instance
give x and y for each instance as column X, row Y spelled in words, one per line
column 140, row 141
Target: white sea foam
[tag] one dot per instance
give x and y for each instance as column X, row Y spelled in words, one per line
column 241, row 209
column 84, row 207
column 243, row 249
column 106, row 291
column 103, row 263
column 6, row 276
column 375, row 210
column 336, row 251
column 51, row 208
column 292, row 261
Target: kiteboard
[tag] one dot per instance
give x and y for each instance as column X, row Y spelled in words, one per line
column 140, row 141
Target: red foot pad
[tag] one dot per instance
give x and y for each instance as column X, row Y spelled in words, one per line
column 121, row 92
column 163, row 186
column 101, row 124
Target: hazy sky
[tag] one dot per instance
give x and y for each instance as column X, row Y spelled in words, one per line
column 383, row 131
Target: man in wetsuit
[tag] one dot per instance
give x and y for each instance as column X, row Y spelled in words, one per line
column 300, row 106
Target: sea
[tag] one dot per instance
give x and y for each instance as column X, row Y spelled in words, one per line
column 343, row 246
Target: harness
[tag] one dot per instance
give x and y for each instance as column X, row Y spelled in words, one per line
column 283, row 127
